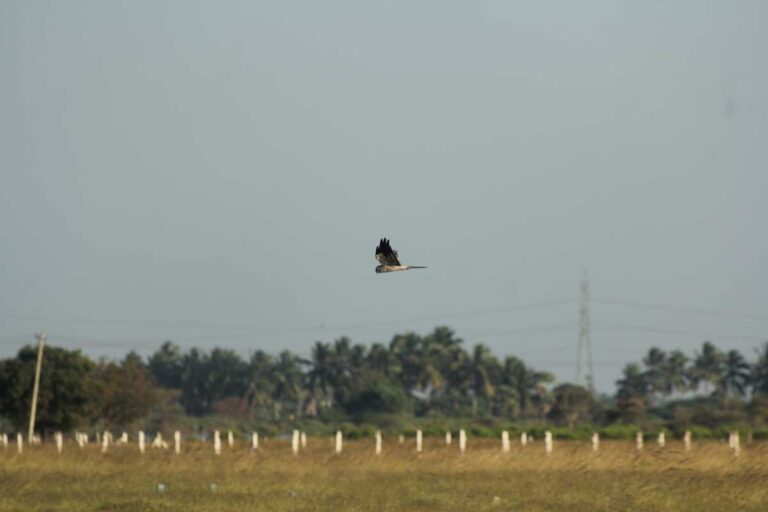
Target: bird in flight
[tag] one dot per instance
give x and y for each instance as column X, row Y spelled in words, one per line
column 388, row 258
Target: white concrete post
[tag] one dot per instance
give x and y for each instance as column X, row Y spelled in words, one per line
column 505, row 442
column 295, row 442
column 177, row 442
column 595, row 441
column 448, row 439
column 141, row 441
column 59, row 438
column 303, row 440
column 524, row 438
column 124, row 438
column 19, row 443
column 216, row 442
column 378, row 442
column 687, row 440
column 98, row 438
column 230, row 439
column 4, row 440
column 254, row 441
column 105, row 442
column 401, row 439
column 662, row 439
column 548, row 442
column 418, row 441
column 462, row 441
column 338, row 441
column 639, row 441
column 735, row 444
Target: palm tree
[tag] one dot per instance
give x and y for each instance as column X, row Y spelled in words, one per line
column 287, row 377
column 675, row 373
column 759, row 374
column 707, row 367
column 259, row 390
column 632, row 393
column 655, row 363
column 482, row 367
column 736, row 374
column 529, row 385
column 320, row 377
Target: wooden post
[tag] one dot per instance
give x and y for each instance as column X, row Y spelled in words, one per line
column 418, row 441
column 505, row 442
column 177, row 442
column 303, row 440
column 448, row 439
column 595, row 441
column 687, row 440
column 662, row 439
column 36, row 387
column 19, row 442
column 295, row 442
column 338, row 441
column 548, row 442
column 462, row 441
column 254, row 441
column 216, row 442
column 141, row 441
column 524, row 438
column 230, row 439
column 378, row 442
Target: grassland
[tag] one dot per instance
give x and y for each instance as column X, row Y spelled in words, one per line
column 708, row 478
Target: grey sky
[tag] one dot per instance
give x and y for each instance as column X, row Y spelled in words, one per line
column 220, row 173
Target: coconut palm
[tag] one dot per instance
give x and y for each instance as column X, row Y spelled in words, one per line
column 707, row 368
column 759, row 374
column 655, row 363
column 675, row 373
column 736, row 374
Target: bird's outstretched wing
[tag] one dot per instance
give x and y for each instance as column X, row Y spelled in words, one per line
column 386, row 255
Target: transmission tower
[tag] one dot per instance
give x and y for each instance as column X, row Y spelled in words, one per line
column 585, row 374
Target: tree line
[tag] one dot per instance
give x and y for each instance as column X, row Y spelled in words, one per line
column 413, row 376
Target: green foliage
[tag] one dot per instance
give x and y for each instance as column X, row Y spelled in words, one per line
column 68, row 393
column 431, row 381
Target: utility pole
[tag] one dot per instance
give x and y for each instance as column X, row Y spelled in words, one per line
column 584, row 371
column 40, row 347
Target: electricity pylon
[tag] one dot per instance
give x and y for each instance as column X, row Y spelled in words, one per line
column 585, row 374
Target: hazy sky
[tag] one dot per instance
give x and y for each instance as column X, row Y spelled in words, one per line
column 219, row 173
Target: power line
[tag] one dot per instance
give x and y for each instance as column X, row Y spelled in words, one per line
column 679, row 309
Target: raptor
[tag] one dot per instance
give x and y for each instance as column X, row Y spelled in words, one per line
column 387, row 257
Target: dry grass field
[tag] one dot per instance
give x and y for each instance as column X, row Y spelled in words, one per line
column 708, row 478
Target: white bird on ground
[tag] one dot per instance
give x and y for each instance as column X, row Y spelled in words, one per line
column 388, row 259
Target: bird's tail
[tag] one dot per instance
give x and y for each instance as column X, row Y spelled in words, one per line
column 413, row 266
